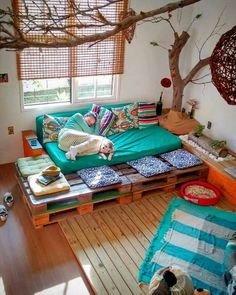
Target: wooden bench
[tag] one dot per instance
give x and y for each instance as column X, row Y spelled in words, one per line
column 82, row 200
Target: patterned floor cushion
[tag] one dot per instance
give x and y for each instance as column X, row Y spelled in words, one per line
column 149, row 166
column 181, row 159
column 33, row 165
column 99, row 176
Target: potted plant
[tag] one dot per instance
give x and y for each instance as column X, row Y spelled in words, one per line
column 199, row 130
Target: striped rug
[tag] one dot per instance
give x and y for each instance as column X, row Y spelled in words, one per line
column 193, row 238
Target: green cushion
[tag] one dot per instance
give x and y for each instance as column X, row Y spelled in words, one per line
column 130, row 145
column 33, row 165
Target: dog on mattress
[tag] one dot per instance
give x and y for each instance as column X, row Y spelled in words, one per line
column 76, row 143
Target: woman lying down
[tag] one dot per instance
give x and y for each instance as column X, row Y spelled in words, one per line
column 78, row 137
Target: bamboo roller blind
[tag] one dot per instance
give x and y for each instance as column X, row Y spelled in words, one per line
column 103, row 58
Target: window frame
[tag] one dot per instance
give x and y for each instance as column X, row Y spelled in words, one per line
column 73, row 100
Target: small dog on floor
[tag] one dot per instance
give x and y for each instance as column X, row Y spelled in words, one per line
column 94, row 145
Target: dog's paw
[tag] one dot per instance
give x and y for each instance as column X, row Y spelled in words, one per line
column 68, row 156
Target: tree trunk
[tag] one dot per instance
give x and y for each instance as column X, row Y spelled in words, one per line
column 178, row 84
column 178, row 90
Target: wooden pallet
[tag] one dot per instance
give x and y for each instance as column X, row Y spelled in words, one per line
column 79, row 200
column 165, row 181
column 82, row 200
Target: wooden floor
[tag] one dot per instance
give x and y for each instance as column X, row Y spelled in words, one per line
column 34, row 261
column 111, row 243
column 42, row 262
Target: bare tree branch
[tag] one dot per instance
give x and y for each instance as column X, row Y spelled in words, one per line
column 214, row 31
column 201, row 83
column 200, row 78
column 199, row 65
column 48, row 21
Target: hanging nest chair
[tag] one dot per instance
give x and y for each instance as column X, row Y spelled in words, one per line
column 223, row 66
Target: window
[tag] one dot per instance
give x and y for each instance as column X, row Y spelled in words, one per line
column 70, row 74
column 94, row 87
column 48, row 91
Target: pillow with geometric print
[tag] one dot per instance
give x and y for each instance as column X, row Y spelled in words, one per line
column 52, row 126
column 127, row 118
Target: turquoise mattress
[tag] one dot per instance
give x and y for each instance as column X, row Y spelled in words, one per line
column 130, row 145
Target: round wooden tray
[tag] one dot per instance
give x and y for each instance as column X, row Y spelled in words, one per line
column 199, row 200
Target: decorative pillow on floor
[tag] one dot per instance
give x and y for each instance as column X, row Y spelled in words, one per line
column 147, row 115
column 106, row 118
column 33, row 165
column 127, row 117
column 52, row 126
column 181, row 159
column 149, row 166
column 99, row 176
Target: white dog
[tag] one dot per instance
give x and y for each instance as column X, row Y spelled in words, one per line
column 77, row 143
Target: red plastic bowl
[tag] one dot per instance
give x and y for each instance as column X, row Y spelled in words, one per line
column 198, row 200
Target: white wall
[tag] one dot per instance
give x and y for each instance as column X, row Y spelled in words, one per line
column 212, row 106
column 145, row 66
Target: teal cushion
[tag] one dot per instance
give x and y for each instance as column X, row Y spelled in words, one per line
column 130, row 145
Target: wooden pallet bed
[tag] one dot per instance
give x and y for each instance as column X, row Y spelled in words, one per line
column 82, row 200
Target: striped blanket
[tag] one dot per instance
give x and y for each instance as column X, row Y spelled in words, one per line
column 193, row 238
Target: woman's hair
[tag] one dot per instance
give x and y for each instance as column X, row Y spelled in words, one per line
column 91, row 114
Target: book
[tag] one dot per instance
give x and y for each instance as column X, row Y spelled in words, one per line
column 47, row 180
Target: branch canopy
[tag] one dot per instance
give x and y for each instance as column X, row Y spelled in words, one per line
column 49, row 23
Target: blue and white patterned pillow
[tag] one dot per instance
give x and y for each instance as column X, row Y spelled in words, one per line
column 181, row 159
column 99, row 176
column 149, row 166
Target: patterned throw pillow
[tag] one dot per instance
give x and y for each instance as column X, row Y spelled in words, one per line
column 99, row 176
column 52, row 126
column 149, row 166
column 127, row 118
column 106, row 118
column 181, row 159
column 147, row 115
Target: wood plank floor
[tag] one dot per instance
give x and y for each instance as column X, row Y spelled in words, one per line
column 41, row 261
column 34, row 261
column 111, row 243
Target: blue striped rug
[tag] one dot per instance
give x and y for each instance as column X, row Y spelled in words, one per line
column 193, row 238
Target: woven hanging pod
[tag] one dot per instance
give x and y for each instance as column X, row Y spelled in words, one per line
column 223, row 66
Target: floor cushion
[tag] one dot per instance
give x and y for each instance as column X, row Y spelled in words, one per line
column 99, row 176
column 33, row 165
column 181, row 159
column 39, row 189
column 149, row 166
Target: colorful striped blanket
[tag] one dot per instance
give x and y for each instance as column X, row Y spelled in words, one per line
column 193, row 238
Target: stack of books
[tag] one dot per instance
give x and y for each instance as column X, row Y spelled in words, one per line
column 46, row 180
